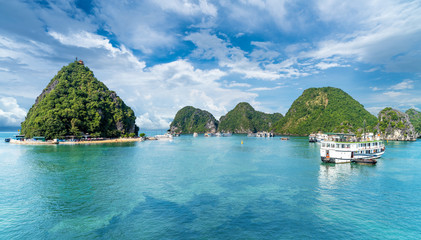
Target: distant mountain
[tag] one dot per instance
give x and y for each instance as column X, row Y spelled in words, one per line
column 415, row 118
column 74, row 103
column 395, row 125
column 324, row 109
column 190, row 120
column 244, row 119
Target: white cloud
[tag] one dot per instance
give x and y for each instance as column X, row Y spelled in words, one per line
column 326, row 65
column 146, row 121
column 89, row 40
column 382, row 31
column 393, row 94
column 210, row 46
column 187, row 7
column 374, row 110
column 375, row 88
column 158, row 92
column 263, row 88
column 237, row 84
column 405, row 84
column 11, row 114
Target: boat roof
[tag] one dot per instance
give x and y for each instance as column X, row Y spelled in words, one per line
column 340, row 134
column 352, row 142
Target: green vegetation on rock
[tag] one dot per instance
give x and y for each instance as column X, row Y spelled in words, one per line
column 324, row 109
column 190, row 120
column 244, row 119
column 74, row 103
column 395, row 125
column 415, row 118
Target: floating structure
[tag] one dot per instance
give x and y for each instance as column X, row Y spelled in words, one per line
column 346, row 148
column 312, row 138
column 284, row 138
column 209, row 134
column 219, row 134
column 195, row 134
column 261, row 134
column 165, row 136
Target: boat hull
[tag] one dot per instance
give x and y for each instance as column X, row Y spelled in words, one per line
column 335, row 160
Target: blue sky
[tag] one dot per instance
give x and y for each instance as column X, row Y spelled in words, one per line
column 160, row 56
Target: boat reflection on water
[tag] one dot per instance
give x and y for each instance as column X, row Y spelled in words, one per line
column 332, row 175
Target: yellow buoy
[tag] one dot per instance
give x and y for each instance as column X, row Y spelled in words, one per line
column 242, row 142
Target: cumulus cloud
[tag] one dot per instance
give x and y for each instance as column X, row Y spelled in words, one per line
column 384, row 30
column 405, row 84
column 189, row 7
column 11, row 114
column 263, row 89
column 394, row 94
column 326, row 65
column 148, row 121
column 158, row 92
column 210, row 46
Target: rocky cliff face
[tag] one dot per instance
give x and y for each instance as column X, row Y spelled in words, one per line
column 395, row 125
column 190, row 120
column 415, row 117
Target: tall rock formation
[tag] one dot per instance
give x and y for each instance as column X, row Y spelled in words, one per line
column 324, row 109
column 244, row 119
column 395, row 125
column 190, row 120
column 415, row 118
column 75, row 103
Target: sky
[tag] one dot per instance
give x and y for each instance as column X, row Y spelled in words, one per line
column 160, row 56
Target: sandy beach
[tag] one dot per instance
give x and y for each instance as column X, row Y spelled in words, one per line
column 117, row 140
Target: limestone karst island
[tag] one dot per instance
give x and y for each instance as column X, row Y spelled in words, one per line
column 75, row 107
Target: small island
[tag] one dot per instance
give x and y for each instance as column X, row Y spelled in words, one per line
column 75, row 106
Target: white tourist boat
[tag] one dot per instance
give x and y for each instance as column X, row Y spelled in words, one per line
column 164, row 136
column 345, row 148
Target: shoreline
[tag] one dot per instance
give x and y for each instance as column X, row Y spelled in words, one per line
column 116, row 140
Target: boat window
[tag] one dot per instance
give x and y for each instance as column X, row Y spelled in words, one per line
column 337, row 145
column 323, row 145
column 348, row 145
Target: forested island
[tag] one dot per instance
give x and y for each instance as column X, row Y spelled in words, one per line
column 325, row 109
column 76, row 103
column 245, row 119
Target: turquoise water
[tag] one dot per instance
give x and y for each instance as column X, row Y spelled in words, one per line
column 206, row 188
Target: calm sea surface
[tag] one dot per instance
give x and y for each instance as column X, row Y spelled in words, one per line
column 206, row 188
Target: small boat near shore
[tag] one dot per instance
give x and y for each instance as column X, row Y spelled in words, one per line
column 364, row 160
column 7, row 140
column 164, row 136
